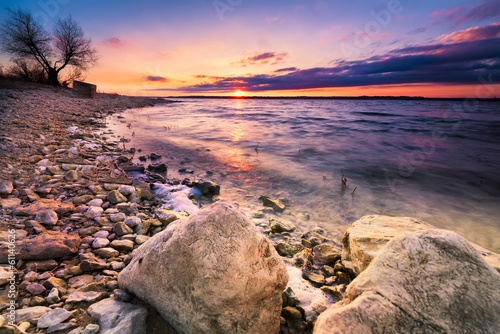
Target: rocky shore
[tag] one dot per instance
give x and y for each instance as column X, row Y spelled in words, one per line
column 87, row 248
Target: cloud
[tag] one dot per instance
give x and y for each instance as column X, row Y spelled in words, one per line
column 113, row 42
column 460, row 15
column 471, row 34
column 156, row 78
column 263, row 58
column 453, row 61
column 416, row 31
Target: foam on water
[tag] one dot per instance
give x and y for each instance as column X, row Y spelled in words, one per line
column 177, row 196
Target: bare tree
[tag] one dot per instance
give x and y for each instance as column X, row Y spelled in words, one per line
column 23, row 37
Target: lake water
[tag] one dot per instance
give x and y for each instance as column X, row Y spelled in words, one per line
column 433, row 160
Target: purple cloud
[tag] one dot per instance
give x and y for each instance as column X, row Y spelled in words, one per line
column 113, row 42
column 460, row 15
column 263, row 58
column 156, row 78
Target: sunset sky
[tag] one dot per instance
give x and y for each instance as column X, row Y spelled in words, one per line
column 448, row 48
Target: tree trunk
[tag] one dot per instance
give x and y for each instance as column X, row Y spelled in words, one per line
column 52, row 76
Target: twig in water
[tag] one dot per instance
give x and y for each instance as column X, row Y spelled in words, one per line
column 344, row 181
column 352, row 194
column 257, row 148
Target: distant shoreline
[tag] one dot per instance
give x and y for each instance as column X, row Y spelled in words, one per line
column 397, row 98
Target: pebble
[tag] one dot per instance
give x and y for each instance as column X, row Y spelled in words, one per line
column 94, row 212
column 95, row 202
column 132, row 221
column 123, row 245
column 126, row 190
column 117, row 217
column 121, row 228
column 6, row 187
column 53, row 317
column 48, row 217
column 100, row 242
column 115, row 197
column 91, row 329
column 280, row 225
column 35, row 288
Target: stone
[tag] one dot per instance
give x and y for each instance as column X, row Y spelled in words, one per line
column 9, row 203
column 80, row 280
column 54, row 317
column 48, row 245
column 122, row 245
column 39, row 228
column 60, row 328
column 42, row 265
column 285, row 249
column 79, row 200
column 89, row 262
column 45, row 204
column 95, row 202
column 89, row 296
column 117, row 217
column 165, row 216
column 71, row 176
column 157, row 168
column 101, row 234
column 56, row 283
column 48, row 217
column 326, row 254
column 126, row 190
column 140, row 239
column 91, row 329
column 31, row 314
column 122, row 295
column 208, row 188
column 132, row 221
column 273, row 203
column 280, row 225
column 94, row 212
column 121, row 229
column 6, row 187
column 116, row 317
column 53, row 296
column 35, row 288
column 430, row 281
column 100, row 242
column 368, row 236
column 107, row 252
column 217, row 273
column 115, row 265
column 115, row 197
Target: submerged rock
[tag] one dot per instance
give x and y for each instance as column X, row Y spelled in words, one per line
column 280, row 225
column 273, row 203
column 212, row 272
column 430, row 281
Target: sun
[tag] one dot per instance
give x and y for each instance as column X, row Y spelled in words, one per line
column 238, row 93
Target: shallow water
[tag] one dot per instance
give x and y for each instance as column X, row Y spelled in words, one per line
column 433, row 160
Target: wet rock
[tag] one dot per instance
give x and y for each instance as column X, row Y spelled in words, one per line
column 326, row 254
column 115, row 197
column 430, row 281
column 208, row 188
column 285, row 249
column 116, row 317
column 45, row 204
column 333, row 291
column 219, row 251
column 165, row 216
column 289, row 297
column 48, row 245
column 312, row 275
column 48, row 217
column 6, row 187
column 291, row 312
column 157, row 168
column 280, row 225
column 122, row 229
column 54, row 317
column 273, row 203
column 122, row 245
column 155, row 156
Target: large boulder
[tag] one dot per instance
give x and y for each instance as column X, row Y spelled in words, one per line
column 368, row 236
column 212, row 272
column 48, row 245
column 430, row 281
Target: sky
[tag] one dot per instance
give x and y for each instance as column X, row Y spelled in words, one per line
column 447, row 48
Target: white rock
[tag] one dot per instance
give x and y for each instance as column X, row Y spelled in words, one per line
column 132, row 221
column 95, row 202
column 212, row 272
column 48, row 217
column 431, row 281
column 101, row 234
column 100, row 242
column 126, row 190
column 117, row 217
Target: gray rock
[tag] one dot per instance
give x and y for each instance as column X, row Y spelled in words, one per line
column 140, row 239
column 122, row 295
column 115, row 197
column 116, row 317
column 78, row 330
column 89, row 296
column 31, row 314
column 6, row 187
column 117, row 217
column 107, row 252
column 53, row 296
column 101, row 234
column 126, row 190
column 35, row 288
column 95, row 202
column 54, row 317
column 208, row 188
column 430, row 281
column 217, row 273
column 325, row 254
column 59, row 328
column 132, row 221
